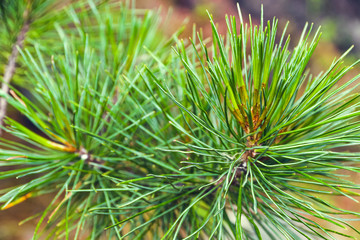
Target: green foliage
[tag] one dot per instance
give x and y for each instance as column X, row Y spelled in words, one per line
column 28, row 23
column 115, row 112
column 271, row 133
column 95, row 127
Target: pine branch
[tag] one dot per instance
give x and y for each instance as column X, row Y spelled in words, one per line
column 257, row 148
column 99, row 128
column 11, row 65
column 269, row 144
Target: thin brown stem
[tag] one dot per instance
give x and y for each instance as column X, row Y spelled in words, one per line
column 11, row 65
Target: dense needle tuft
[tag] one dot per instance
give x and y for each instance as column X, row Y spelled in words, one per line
column 272, row 133
column 229, row 137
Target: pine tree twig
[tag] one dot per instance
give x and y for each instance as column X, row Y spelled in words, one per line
column 11, row 65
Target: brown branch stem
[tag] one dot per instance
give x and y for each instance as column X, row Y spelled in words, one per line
column 11, row 65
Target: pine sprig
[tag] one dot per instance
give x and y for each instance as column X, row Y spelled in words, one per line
column 270, row 131
column 96, row 129
column 27, row 23
column 231, row 138
column 17, row 42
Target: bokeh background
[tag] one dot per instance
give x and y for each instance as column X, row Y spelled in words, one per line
column 340, row 24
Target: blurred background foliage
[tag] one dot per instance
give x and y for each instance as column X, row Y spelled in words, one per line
column 340, row 21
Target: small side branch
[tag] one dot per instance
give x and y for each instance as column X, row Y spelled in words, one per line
column 11, row 65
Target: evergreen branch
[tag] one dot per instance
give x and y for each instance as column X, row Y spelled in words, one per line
column 261, row 140
column 11, row 65
column 276, row 130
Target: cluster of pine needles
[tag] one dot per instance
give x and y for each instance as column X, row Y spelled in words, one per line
column 136, row 135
